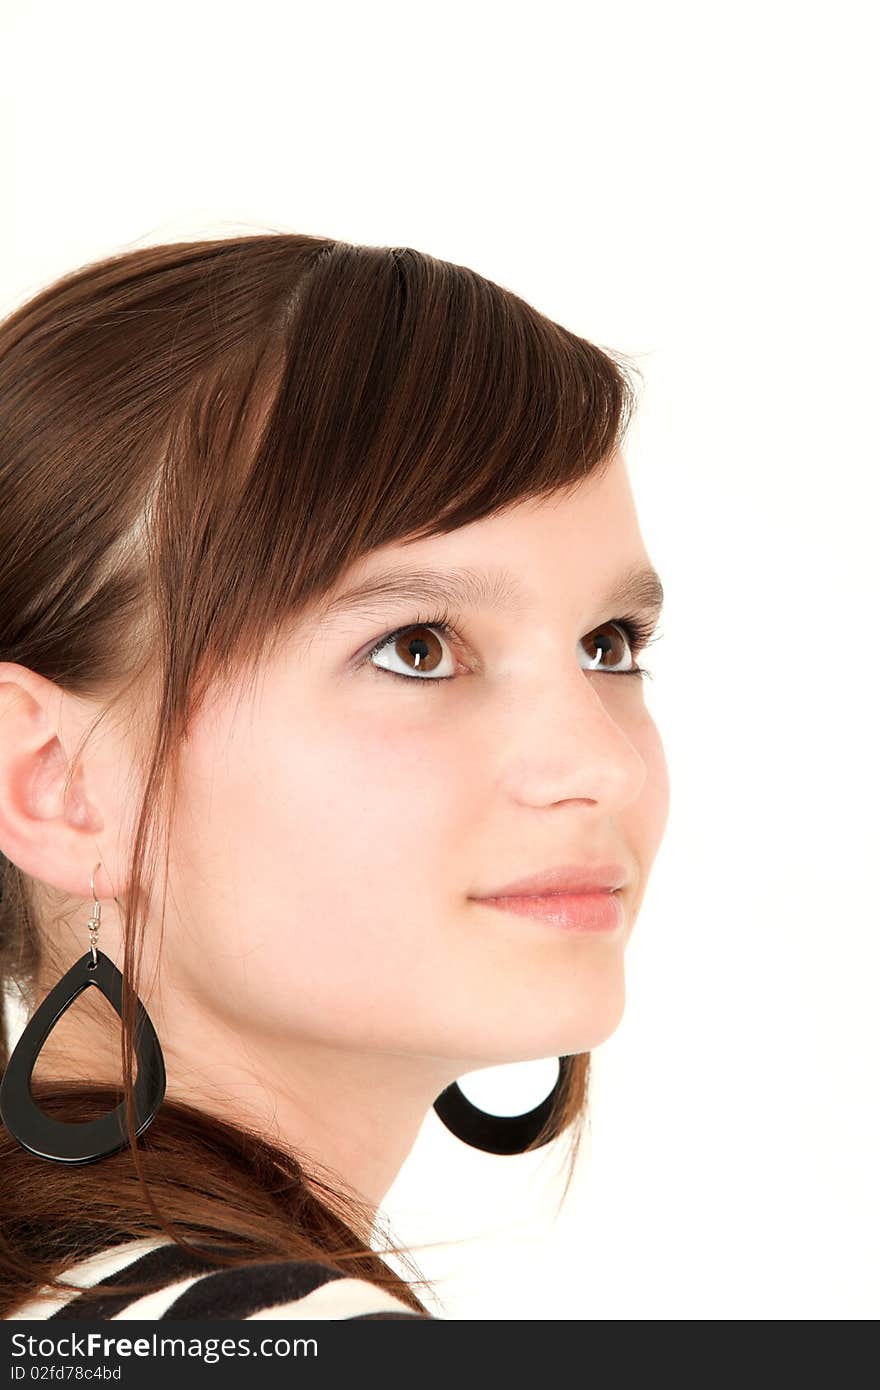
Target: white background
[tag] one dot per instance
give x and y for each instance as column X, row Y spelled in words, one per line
column 692, row 184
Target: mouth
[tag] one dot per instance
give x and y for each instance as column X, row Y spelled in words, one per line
column 600, row 910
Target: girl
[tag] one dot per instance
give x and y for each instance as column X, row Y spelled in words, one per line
column 322, row 597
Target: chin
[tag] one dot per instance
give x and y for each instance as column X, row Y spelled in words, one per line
column 593, row 1027
column 571, row 1031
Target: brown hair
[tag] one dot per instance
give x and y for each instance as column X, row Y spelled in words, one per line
column 196, row 441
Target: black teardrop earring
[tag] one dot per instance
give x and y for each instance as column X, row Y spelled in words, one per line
column 95, row 1139
column 498, row 1134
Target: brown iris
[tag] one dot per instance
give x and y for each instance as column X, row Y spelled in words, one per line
column 605, row 643
column 417, row 648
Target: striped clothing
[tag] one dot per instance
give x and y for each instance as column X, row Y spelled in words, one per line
column 187, row 1286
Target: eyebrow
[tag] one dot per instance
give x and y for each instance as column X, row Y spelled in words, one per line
column 495, row 589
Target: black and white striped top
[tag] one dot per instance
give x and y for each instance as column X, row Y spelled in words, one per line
column 186, row 1286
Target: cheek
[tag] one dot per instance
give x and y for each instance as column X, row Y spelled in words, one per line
column 656, row 793
column 376, row 804
column 340, row 841
column 645, row 821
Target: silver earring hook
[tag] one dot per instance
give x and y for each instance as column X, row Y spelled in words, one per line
column 94, row 921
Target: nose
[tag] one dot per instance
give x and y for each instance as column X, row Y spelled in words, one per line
column 567, row 739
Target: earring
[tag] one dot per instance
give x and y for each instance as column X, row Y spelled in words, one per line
column 80, row 1143
column 498, row 1134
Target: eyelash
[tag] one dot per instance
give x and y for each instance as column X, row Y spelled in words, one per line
column 637, row 631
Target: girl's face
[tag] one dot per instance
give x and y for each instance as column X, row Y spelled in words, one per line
column 335, row 829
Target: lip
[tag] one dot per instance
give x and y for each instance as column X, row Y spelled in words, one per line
column 573, row 912
column 578, row 879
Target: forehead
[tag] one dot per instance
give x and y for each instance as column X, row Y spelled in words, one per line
column 601, row 508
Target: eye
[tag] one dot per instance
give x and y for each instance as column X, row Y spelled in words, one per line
column 419, row 649
column 631, row 634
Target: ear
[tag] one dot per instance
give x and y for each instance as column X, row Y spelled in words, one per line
column 47, row 828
